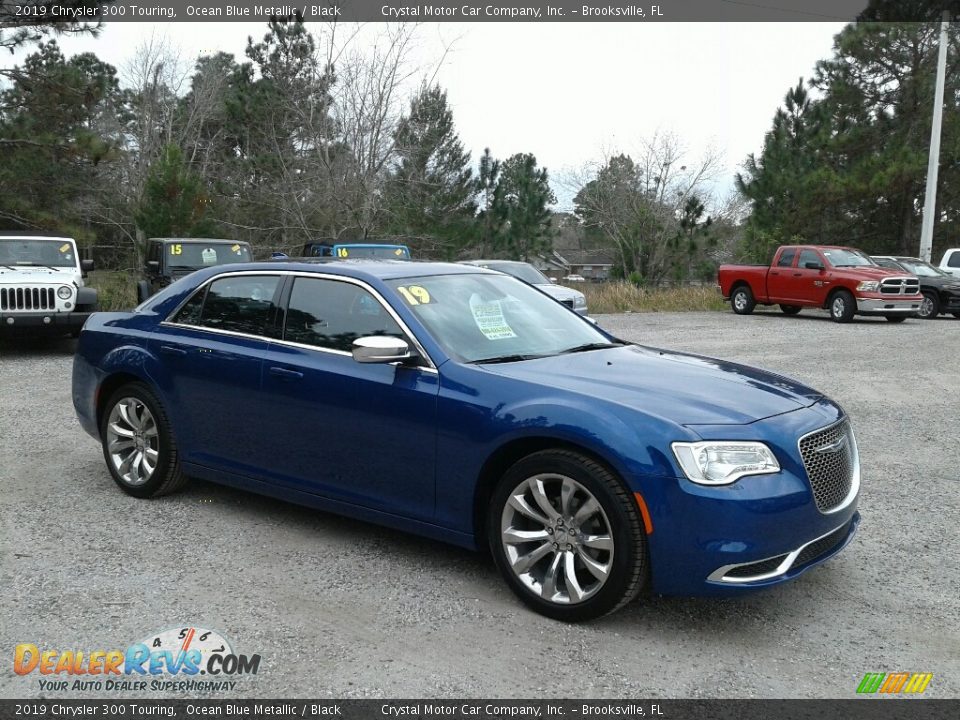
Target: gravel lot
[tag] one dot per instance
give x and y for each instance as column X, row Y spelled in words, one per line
column 343, row 609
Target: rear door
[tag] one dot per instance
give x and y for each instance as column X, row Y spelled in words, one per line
column 212, row 351
column 355, row 432
column 779, row 286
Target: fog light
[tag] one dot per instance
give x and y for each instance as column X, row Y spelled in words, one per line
column 46, row 320
column 9, row 321
column 68, row 305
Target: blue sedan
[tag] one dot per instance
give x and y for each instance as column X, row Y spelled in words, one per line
column 464, row 405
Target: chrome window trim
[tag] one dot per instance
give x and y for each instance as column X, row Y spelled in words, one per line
column 718, row 574
column 854, row 481
column 169, row 322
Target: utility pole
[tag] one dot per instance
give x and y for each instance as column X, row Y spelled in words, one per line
column 933, row 162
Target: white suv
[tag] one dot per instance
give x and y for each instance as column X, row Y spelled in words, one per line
column 41, row 286
column 950, row 262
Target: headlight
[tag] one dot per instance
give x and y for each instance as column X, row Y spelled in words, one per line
column 579, row 301
column 64, row 293
column 869, row 285
column 721, row 463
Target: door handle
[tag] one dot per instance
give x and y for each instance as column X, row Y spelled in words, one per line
column 285, row 374
column 774, row 272
column 798, row 274
column 172, row 350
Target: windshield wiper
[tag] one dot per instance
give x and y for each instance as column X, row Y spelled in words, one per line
column 591, row 346
column 505, row 359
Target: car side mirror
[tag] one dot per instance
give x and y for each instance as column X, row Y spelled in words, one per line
column 813, row 266
column 85, row 267
column 153, row 266
column 380, row 349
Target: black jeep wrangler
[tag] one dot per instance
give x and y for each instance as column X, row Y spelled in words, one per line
column 169, row 259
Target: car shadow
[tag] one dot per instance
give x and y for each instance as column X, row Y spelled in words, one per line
column 31, row 347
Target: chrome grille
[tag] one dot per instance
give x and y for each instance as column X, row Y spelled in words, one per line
column 27, row 298
column 828, row 458
column 822, row 546
column 900, row 286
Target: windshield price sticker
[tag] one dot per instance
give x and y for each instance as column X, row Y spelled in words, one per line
column 415, row 295
column 236, row 249
column 208, row 256
column 490, row 320
column 65, row 248
column 176, row 249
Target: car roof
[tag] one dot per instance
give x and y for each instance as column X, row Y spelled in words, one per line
column 197, row 240
column 361, row 268
column 492, row 262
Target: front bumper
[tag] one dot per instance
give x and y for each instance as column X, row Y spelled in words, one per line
column 889, row 306
column 41, row 323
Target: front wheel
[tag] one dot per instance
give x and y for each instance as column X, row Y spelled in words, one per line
column 842, row 307
column 790, row 309
column 742, row 300
column 896, row 318
column 929, row 307
column 567, row 536
column 138, row 444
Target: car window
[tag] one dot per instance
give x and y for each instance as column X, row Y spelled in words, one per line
column 786, row 258
column 808, row 256
column 889, row 264
column 332, row 314
column 238, row 303
column 954, row 260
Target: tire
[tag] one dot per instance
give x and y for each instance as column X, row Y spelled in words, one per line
column 930, row 307
column 896, row 318
column 842, row 307
column 742, row 300
column 134, row 412
column 790, row 309
column 524, row 534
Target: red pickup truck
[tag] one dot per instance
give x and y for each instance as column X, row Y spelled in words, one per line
column 839, row 279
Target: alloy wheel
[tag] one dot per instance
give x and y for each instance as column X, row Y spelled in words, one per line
column 133, row 441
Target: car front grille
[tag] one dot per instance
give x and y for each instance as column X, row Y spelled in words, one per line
column 27, row 298
column 900, row 286
column 828, row 458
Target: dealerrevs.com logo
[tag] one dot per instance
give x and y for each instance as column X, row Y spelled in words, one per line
column 172, row 660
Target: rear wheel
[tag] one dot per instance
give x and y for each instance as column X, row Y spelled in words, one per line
column 896, row 318
column 842, row 307
column 929, row 307
column 567, row 536
column 742, row 300
column 790, row 309
column 138, row 444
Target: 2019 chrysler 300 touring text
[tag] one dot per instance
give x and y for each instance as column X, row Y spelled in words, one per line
column 467, row 406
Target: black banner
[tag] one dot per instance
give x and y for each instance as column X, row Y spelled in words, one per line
column 860, row 709
column 13, row 12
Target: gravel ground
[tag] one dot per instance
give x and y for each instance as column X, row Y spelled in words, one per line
column 343, row 609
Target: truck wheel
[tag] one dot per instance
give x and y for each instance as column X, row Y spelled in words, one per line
column 930, row 307
column 896, row 318
column 790, row 309
column 138, row 443
column 842, row 307
column 742, row 300
column 567, row 536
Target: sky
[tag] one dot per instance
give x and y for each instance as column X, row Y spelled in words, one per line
column 573, row 93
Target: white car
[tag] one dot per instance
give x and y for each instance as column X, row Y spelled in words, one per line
column 950, row 262
column 528, row 273
column 41, row 286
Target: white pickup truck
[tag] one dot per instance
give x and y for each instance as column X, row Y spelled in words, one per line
column 41, row 286
column 950, row 262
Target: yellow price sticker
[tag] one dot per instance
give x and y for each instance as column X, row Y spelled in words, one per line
column 343, row 252
column 176, row 249
column 65, row 247
column 415, row 295
column 236, row 248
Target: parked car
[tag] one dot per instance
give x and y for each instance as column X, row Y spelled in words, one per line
column 941, row 291
column 169, row 259
column 467, row 406
column 42, row 290
column 950, row 262
column 382, row 251
column 575, row 278
column 842, row 280
column 573, row 299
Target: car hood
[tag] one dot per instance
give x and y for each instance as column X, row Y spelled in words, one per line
column 560, row 292
column 682, row 388
column 38, row 274
column 871, row 273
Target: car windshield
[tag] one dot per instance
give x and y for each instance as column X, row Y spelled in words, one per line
column 33, row 251
column 847, row 258
column 198, row 255
column 524, row 271
column 495, row 318
column 922, row 269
